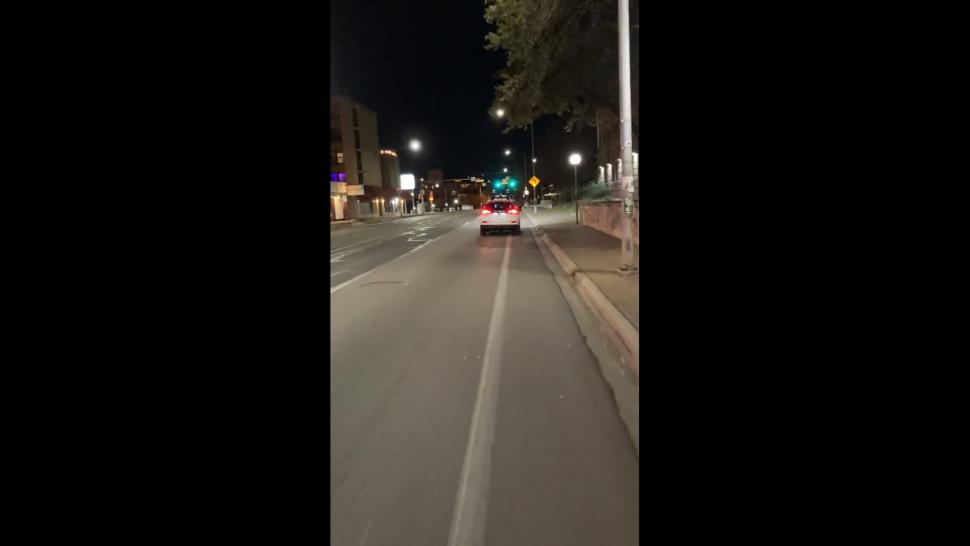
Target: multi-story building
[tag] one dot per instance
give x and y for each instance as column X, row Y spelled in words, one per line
column 435, row 175
column 390, row 171
column 354, row 153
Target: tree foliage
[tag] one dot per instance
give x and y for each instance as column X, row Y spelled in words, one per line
column 561, row 58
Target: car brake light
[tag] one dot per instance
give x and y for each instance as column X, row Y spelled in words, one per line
column 486, row 211
column 513, row 210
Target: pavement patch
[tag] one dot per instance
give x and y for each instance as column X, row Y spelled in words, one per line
column 383, row 283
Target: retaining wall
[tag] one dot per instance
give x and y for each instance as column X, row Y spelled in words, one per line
column 607, row 216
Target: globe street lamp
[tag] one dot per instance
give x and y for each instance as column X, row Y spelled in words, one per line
column 500, row 112
column 508, row 152
column 415, row 145
column 575, row 160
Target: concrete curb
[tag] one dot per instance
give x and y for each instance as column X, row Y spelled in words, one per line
column 615, row 369
column 567, row 263
column 597, row 301
column 613, row 317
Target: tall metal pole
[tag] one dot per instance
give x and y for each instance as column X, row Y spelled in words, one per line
column 576, row 191
column 532, row 136
column 626, row 137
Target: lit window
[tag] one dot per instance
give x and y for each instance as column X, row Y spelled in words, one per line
column 340, row 157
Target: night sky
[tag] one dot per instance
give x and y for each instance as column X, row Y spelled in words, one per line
column 423, row 68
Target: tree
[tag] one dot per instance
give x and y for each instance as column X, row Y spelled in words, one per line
column 561, row 59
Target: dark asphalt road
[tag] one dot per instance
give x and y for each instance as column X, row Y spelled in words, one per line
column 357, row 249
column 465, row 405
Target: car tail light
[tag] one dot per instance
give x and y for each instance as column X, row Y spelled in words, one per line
column 513, row 210
column 486, row 211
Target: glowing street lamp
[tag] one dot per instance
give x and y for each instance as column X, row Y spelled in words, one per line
column 508, row 152
column 500, row 112
column 415, row 145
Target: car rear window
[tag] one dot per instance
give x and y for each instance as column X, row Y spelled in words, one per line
column 497, row 205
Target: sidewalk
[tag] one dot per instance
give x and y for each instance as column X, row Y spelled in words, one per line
column 597, row 255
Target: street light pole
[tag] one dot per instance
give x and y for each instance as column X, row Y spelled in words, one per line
column 574, row 160
column 576, row 191
column 532, row 136
column 626, row 137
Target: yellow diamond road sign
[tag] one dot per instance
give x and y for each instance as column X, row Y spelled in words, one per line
column 534, row 181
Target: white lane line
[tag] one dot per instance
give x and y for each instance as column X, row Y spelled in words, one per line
column 345, row 283
column 336, row 250
column 363, row 539
column 415, row 249
column 334, row 258
column 471, row 505
column 422, row 245
column 332, row 275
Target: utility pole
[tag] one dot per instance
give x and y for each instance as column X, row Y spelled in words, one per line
column 626, row 138
column 576, row 193
column 535, row 189
column 532, row 136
